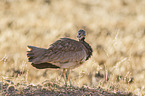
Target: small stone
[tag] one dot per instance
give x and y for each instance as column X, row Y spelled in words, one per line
column 10, row 89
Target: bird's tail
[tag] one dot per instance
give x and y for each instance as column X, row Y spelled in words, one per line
column 36, row 56
column 34, row 53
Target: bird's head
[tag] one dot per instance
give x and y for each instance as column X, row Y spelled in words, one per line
column 81, row 34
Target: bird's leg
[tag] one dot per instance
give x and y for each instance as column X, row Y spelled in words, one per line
column 64, row 75
column 68, row 76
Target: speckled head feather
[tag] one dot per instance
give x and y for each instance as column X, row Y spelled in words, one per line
column 81, row 34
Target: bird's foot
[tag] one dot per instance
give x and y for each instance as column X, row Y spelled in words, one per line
column 66, row 85
column 69, row 86
column 72, row 86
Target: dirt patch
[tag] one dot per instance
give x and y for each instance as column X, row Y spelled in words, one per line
column 51, row 89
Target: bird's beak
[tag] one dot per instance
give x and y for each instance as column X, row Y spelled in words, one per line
column 84, row 35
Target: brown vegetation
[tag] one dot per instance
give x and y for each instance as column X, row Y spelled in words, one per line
column 115, row 30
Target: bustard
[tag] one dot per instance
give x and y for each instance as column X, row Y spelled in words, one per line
column 64, row 54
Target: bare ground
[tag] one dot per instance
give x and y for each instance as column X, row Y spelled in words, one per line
column 52, row 89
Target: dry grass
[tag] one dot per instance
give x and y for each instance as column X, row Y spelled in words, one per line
column 115, row 30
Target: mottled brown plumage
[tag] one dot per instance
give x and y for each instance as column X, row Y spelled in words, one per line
column 65, row 53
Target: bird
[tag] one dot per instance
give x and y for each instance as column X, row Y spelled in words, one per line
column 65, row 54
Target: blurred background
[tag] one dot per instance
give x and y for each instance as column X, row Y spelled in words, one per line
column 115, row 30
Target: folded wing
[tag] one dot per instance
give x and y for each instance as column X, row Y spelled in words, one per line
column 60, row 52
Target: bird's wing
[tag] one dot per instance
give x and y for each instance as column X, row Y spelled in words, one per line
column 63, row 51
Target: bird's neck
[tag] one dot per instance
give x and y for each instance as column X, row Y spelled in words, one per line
column 88, row 48
column 83, row 39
